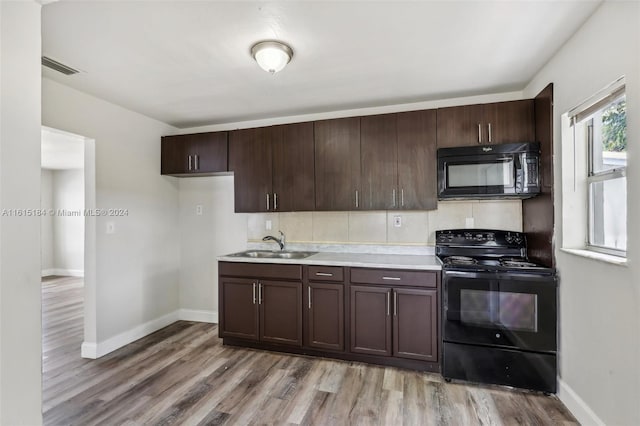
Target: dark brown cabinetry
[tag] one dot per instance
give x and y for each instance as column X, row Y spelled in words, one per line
column 398, row 156
column 500, row 122
column 399, row 320
column 273, row 168
column 258, row 306
column 324, row 304
column 337, row 164
column 196, row 154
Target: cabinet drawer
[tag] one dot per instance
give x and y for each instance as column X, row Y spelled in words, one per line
column 394, row 277
column 260, row 270
column 326, row 273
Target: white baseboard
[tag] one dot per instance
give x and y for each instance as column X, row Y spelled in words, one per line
column 198, row 315
column 578, row 407
column 63, row 272
column 96, row 350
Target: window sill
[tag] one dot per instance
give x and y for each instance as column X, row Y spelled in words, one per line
column 602, row 257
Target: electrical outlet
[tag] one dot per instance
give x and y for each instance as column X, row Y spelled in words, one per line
column 199, row 209
column 397, row 221
column 267, row 225
column 111, row 228
column 469, row 222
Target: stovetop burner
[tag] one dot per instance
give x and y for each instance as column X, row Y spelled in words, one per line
column 460, row 260
column 518, row 263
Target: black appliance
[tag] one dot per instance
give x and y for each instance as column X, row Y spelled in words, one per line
column 499, row 310
column 489, row 171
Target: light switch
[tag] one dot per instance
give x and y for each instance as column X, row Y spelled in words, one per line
column 199, row 209
column 267, row 225
column 111, row 228
column 397, row 221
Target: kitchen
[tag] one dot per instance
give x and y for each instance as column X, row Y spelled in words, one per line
column 603, row 388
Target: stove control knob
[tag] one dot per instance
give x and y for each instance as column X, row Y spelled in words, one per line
column 498, row 335
column 491, row 237
column 468, row 235
column 508, row 238
column 479, row 237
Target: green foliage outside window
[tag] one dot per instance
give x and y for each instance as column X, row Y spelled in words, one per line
column 614, row 127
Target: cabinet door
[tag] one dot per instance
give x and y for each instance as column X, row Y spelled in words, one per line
column 280, row 312
column 238, row 308
column 174, row 154
column 417, row 175
column 458, row 126
column 293, row 169
column 379, row 161
column 325, row 316
column 415, row 324
column 337, row 163
column 509, row 122
column 250, row 160
column 211, row 152
column 370, row 320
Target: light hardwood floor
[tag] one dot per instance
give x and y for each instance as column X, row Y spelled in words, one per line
column 183, row 375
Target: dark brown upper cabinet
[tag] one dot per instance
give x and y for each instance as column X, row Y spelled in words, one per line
column 398, row 153
column 250, row 159
column 337, row 164
column 273, row 168
column 197, row 154
column 495, row 123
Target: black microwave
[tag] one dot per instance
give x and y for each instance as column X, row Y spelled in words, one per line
column 489, row 171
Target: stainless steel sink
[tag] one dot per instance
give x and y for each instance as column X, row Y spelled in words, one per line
column 265, row 254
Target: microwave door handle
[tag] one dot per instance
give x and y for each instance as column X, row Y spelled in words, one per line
column 519, row 177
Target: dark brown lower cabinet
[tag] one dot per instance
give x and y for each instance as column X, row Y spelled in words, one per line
column 280, row 312
column 415, row 325
column 411, row 314
column 239, row 308
column 261, row 310
column 370, row 320
column 325, row 320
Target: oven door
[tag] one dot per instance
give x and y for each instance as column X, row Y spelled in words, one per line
column 511, row 310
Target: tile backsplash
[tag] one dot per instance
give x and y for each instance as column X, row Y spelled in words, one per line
column 377, row 227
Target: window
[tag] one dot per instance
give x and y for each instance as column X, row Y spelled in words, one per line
column 605, row 129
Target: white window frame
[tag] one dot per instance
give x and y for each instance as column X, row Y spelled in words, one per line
column 582, row 113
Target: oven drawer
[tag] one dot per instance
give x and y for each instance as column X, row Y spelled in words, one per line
column 394, row 277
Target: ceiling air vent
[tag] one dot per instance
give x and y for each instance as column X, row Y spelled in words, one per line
column 57, row 66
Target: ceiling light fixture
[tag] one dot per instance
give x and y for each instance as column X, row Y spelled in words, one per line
column 271, row 55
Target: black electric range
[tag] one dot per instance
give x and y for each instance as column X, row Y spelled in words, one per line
column 499, row 310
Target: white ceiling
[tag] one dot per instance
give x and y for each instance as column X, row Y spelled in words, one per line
column 61, row 150
column 188, row 63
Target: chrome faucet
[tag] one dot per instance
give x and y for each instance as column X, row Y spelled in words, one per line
column 280, row 240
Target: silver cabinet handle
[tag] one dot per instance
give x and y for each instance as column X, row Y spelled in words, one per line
column 267, row 201
column 196, row 161
column 388, row 301
column 357, row 198
column 189, row 163
column 391, row 278
column 259, row 293
column 479, row 133
column 402, row 197
column 275, row 201
column 309, row 291
column 254, row 293
column 323, row 274
column 395, row 304
column 393, row 196
column 489, row 129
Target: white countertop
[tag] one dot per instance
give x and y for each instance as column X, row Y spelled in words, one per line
column 390, row 261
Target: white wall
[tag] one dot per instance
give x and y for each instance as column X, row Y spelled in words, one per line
column 599, row 302
column 136, row 267
column 20, row 330
column 68, row 230
column 216, row 232
column 46, row 222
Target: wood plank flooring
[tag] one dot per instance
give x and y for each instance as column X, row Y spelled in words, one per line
column 183, row 375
